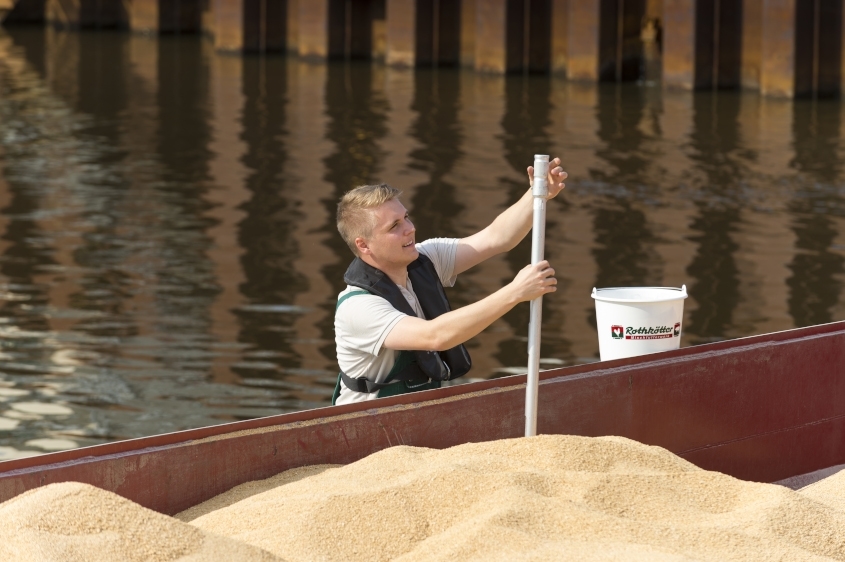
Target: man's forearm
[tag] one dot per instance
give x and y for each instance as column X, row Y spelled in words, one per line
column 452, row 328
column 457, row 326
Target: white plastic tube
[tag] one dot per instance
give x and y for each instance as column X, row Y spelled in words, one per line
column 538, row 243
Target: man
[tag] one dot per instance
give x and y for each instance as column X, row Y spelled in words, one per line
column 394, row 329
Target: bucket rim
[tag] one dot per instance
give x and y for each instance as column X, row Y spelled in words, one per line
column 682, row 294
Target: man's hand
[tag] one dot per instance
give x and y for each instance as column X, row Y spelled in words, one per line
column 555, row 179
column 533, row 281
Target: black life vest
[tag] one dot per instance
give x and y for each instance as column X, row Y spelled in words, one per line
column 415, row 367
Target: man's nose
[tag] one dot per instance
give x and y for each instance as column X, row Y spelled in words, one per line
column 409, row 226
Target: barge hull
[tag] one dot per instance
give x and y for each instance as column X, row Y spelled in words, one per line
column 764, row 408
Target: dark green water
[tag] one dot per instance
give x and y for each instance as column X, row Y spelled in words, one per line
column 168, row 255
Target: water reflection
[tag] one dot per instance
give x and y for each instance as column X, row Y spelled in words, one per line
column 622, row 232
column 168, row 255
column 526, row 131
column 714, row 144
column 267, row 232
column 816, row 283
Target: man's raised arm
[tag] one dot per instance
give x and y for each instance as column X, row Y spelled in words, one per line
column 457, row 326
column 511, row 226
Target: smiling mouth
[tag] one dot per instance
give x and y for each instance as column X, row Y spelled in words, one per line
column 411, row 243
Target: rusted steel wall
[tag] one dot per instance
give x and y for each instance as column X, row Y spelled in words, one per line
column 229, row 25
column 752, row 20
column 559, row 36
column 818, row 48
column 143, row 16
column 85, row 14
column 401, row 32
column 490, row 35
column 763, row 408
column 583, row 40
column 26, row 11
column 777, row 71
column 255, row 26
column 312, row 29
column 782, row 48
column 468, row 17
column 679, row 44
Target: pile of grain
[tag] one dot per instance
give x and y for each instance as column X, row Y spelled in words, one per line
column 76, row 522
column 541, row 498
column 829, row 491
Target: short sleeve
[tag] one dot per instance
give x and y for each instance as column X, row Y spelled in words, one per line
column 364, row 321
column 441, row 252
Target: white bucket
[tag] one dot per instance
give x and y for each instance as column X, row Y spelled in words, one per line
column 634, row 321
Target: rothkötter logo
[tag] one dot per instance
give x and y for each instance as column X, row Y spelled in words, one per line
column 616, row 332
column 648, row 333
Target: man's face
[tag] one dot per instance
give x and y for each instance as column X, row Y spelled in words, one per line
column 391, row 243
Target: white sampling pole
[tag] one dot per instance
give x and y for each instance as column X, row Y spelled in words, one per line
column 540, row 190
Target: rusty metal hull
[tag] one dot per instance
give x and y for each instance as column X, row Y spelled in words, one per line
column 763, row 408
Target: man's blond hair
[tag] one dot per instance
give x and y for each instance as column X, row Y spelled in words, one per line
column 354, row 216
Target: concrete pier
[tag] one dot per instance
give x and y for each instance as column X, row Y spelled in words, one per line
column 781, row 48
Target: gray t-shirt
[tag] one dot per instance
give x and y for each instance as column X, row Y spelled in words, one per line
column 362, row 323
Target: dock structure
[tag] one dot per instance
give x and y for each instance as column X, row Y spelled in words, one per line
column 781, row 48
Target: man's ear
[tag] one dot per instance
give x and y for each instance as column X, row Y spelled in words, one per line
column 361, row 244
